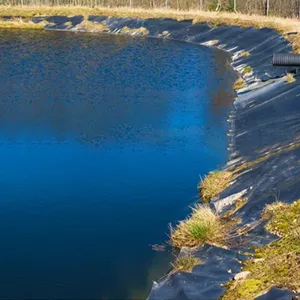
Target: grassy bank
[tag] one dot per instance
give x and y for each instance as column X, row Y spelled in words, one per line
column 282, row 25
column 277, row 264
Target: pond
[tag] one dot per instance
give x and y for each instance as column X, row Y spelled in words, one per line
column 103, row 140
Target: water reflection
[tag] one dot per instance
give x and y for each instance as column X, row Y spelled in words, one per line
column 102, row 141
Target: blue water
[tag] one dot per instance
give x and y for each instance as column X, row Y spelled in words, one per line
column 102, row 142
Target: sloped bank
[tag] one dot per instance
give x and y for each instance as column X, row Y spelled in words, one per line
column 264, row 143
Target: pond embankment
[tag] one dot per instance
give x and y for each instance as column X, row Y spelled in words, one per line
column 264, row 159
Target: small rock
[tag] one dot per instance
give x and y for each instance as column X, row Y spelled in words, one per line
column 229, row 271
column 241, row 275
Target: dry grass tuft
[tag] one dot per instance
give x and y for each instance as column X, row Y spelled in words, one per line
column 19, row 23
column 164, row 34
column 185, row 264
column 245, row 54
column 213, row 184
column 201, row 226
column 93, row 26
column 211, row 43
column 239, row 84
column 290, row 78
column 142, row 31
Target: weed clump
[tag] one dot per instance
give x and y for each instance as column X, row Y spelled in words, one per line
column 142, row 31
column 93, row 26
column 271, row 209
column 214, row 42
column 185, row 263
column 247, row 70
column 68, row 24
column 239, row 84
column 201, row 226
column 245, row 54
column 290, row 78
column 279, row 263
column 213, row 184
column 164, row 34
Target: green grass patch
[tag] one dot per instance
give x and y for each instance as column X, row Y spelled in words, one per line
column 69, row 23
column 201, row 226
column 247, row 70
column 213, row 184
column 280, row 264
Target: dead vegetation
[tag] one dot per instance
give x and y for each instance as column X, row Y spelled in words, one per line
column 213, row 184
column 239, row 84
column 204, row 226
column 185, row 263
column 93, row 26
column 141, row 31
column 201, row 226
column 245, row 54
column 290, row 78
column 20, row 23
column 282, row 25
column 271, row 209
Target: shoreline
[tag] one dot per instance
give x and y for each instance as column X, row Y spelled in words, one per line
column 254, row 157
column 284, row 26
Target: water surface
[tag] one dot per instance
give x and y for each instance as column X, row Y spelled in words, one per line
column 102, row 142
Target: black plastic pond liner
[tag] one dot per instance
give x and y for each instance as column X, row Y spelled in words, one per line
column 265, row 132
column 57, row 20
column 260, row 43
column 206, row 279
column 37, row 20
column 277, row 293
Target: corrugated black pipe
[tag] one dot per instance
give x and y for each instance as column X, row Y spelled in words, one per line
column 281, row 59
